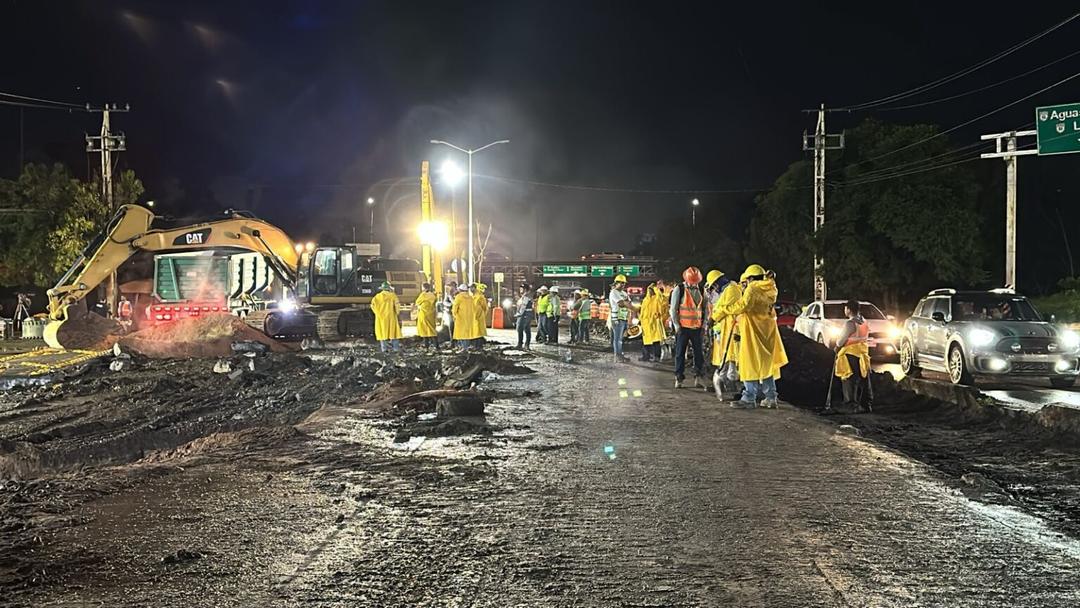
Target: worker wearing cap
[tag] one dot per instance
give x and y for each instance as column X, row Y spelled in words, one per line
column 585, row 313
column 688, row 307
column 554, row 311
column 464, row 313
column 572, row 313
column 543, row 300
column 481, row 312
column 725, row 350
column 761, row 353
column 425, row 317
column 620, row 305
column 385, row 305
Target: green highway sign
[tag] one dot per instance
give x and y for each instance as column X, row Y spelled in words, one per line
column 602, row 271
column 630, row 271
column 566, row 271
column 1058, row 129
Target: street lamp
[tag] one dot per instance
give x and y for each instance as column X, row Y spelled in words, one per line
column 371, row 227
column 470, row 153
column 693, row 223
column 150, row 204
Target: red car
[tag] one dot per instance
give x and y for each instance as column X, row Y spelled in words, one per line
column 786, row 312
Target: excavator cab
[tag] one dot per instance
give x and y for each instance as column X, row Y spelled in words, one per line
column 336, row 272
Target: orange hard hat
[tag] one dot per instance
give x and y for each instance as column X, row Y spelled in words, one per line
column 692, row 275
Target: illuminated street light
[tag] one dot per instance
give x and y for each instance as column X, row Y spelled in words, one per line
column 451, row 172
column 150, row 204
column 470, row 153
column 435, row 234
column 371, row 227
column 309, row 246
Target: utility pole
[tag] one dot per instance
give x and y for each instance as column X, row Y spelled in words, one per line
column 1006, row 149
column 820, row 142
column 105, row 144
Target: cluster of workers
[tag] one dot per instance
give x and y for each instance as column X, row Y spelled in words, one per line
column 734, row 321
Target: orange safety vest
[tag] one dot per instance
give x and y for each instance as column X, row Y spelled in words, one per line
column 690, row 313
column 862, row 332
column 125, row 309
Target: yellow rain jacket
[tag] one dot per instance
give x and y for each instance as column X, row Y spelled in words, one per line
column 843, row 367
column 385, row 306
column 464, row 312
column 481, row 315
column 725, row 325
column 425, row 315
column 761, row 353
column 652, row 321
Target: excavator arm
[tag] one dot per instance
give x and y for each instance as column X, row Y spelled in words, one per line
column 129, row 232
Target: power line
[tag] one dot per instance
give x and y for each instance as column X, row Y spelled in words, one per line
column 38, row 99
column 964, row 72
column 858, row 182
column 980, row 89
column 625, row 190
column 22, row 104
column 966, row 123
column 921, row 161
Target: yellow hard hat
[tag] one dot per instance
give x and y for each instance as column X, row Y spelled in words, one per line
column 753, row 270
column 713, row 276
column 481, row 286
column 620, row 278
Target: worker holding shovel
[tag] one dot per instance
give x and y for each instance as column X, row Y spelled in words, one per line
column 853, row 360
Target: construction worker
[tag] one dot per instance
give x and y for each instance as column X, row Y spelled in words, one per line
column 761, row 353
column 725, row 350
column 464, row 314
column 425, row 317
column 853, row 356
column 124, row 312
column 652, row 323
column 619, row 302
column 687, row 309
column 585, row 312
column 572, row 314
column 543, row 300
column 554, row 311
column 523, row 317
column 482, row 306
column 385, row 305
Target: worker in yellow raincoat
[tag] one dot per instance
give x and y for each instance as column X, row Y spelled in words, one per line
column 387, row 326
column 761, row 353
column 853, row 358
column 652, row 323
column 464, row 313
column 481, row 312
column 725, row 349
column 425, row 317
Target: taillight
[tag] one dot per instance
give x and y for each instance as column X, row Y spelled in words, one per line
column 215, row 309
column 167, row 317
column 157, row 309
column 187, row 308
column 158, row 317
column 206, row 309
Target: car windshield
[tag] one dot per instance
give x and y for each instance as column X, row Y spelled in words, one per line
column 993, row 307
column 869, row 311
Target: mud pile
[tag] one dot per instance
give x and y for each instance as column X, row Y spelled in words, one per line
column 88, row 332
column 196, row 337
column 804, row 381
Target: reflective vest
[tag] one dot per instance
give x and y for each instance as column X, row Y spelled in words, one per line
column 862, row 333
column 690, row 314
column 125, row 309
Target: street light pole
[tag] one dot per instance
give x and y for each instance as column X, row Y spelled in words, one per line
column 693, row 223
column 470, row 153
column 371, row 226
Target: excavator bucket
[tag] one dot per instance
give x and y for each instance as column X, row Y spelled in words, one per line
column 79, row 329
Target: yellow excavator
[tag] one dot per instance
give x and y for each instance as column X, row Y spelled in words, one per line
column 329, row 296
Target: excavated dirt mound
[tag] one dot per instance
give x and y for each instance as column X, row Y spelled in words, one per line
column 196, row 337
column 88, row 332
column 804, row 381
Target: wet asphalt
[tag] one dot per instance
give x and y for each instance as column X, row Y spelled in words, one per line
column 611, row 488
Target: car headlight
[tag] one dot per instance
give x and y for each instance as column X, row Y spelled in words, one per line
column 894, row 333
column 1070, row 339
column 287, row 305
column 833, row 332
column 981, row 337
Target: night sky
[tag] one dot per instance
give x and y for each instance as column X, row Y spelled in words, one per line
column 306, row 108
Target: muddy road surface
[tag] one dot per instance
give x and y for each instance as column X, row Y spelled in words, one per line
column 586, row 484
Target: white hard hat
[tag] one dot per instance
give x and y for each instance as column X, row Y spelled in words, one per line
column 555, row 288
column 463, row 287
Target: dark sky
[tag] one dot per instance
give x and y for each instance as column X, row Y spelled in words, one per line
column 308, row 107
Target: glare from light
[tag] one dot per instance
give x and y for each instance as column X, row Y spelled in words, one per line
column 833, row 332
column 695, row 202
column 287, row 305
column 1064, row 365
column 299, row 248
column 981, row 337
column 370, row 200
column 895, row 332
column 507, row 303
column 150, row 204
column 435, row 234
column 451, row 172
column 997, row 365
column 1070, row 339
column 309, row 246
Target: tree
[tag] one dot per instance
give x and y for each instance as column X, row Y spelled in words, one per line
column 886, row 236
column 49, row 218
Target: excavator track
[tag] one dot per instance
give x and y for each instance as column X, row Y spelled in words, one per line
column 343, row 323
column 295, row 325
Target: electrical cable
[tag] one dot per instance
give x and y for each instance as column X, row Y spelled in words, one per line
column 22, row 104
column 38, row 99
column 624, row 190
column 957, row 75
column 980, row 89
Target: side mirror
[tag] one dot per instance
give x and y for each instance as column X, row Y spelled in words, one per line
column 938, row 316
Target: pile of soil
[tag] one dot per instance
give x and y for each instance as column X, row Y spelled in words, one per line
column 804, row 381
column 196, row 337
